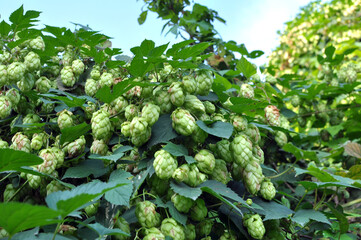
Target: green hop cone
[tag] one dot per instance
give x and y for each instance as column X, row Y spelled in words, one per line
column 3, row 144
column 95, row 74
column 26, row 83
column 9, row 193
column 49, row 161
column 189, row 84
column 147, row 215
column 150, row 112
column 91, row 209
column 78, row 67
column 272, row 115
column 210, row 108
column 181, row 203
column 239, row 123
column 189, row 174
column 54, row 186
column 153, row 234
column 162, row 99
column 236, row 172
column 205, row 161
column 140, row 131
column 258, row 154
column 295, row 100
column 267, row 190
column 43, row 84
column 183, row 122
column 176, row 94
column 91, row 87
column 123, row 225
column 281, row 138
column 20, row 142
column 254, row 225
column 159, row 186
column 228, row 235
column 3, row 233
column 65, row 119
column 171, row 228
column 220, row 172
column 252, row 177
column 241, row 149
column 249, row 201
column 67, row 76
column 119, row 104
column 125, row 129
column 38, row 141
column 3, row 75
column 37, row 44
column 106, row 79
column 99, row 147
column 33, row 180
column 5, row 107
column 164, row 164
column 271, row 79
column 100, row 124
column 204, row 81
column 16, row 71
column 190, row 232
column 131, row 111
column 204, row 228
column 32, row 62
column 59, row 154
column 223, row 150
column 253, row 133
column 199, row 136
column 194, row 105
column 76, row 147
column 199, row 210
column 247, row 91
column 181, row 173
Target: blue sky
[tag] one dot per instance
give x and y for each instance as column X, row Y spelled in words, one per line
column 253, row 22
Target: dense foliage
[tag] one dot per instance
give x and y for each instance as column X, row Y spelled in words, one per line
column 182, row 141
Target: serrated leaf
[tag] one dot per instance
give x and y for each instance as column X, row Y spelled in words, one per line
column 86, row 168
column 300, row 153
column 175, row 47
column 333, row 130
column 17, row 15
column 69, row 100
column 16, row 217
column 218, row 129
column 115, row 156
column 4, row 28
column 272, row 210
column 121, row 195
column 212, row 97
column 221, row 80
column 191, row 51
column 138, row 67
column 222, row 190
column 353, row 149
column 103, row 231
column 69, row 134
column 185, row 190
column 162, row 131
column 142, row 17
column 343, row 221
column 13, row 159
column 176, row 150
column 246, row 67
column 303, row 216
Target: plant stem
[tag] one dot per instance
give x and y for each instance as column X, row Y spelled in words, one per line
column 17, row 191
column 5, row 177
column 298, row 204
column 56, row 230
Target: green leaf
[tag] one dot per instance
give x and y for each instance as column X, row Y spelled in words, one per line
column 69, row 100
column 246, row 67
column 221, row 189
column 176, row 150
column 67, row 202
column 175, row 47
column 185, row 190
column 86, row 168
column 13, row 159
column 4, row 28
column 354, row 172
column 343, row 221
column 333, row 130
column 115, row 156
column 158, row 51
column 162, row 131
column 121, row 195
column 138, row 67
column 272, row 210
column 219, row 129
column 103, row 231
column 17, row 15
column 189, row 159
column 179, row 217
column 221, row 80
column 353, row 149
column 288, row 113
column 300, row 153
column 303, row 216
column 256, row 54
column 142, row 17
column 16, row 217
column 69, row 134
column 191, row 51
column 210, row 97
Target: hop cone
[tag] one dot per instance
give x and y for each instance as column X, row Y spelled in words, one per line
column 150, row 112
column 210, row 108
column 205, row 161
column 241, row 149
column 176, row 94
column 77, row 147
column 190, row 232
column 49, row 161
column 247, row 91
column 199, row 136
column 181, row 203
column 3, row 144
column 125, row 129
column 37, row 44
column 67, row 76
column 199, row 210
column 65, row 119
column 59, row 154
column 147, row 215
column 78, row 67
column 281, row 138
column 228, row 235
column 123, row 225
column 183, row 122
column 3, row 75
column 267, row 190
column 158, row 185
column 9, row 192
column 162, row 99
column 272, row 115
column 95, row 74
column 258, row 154
column 54, row 186
column 100, row 124
column 154, row 234
column 25, row 84
column 32, row 62
column 253, row 133
column 254, row 226
column 91, row 87
column 295, row 100
column 43, row 84
column 119, row 104
column 236, row 172
column 164, row 164
column 91, row 209
column 194, row 105
column 38, row 141
column 223, row 150
column 252, row 177
column 239, row 123
column 16, row 71
column 131, row 111
column 204, row 228
column 99, row 147
column 139, row 131
column 171, row 228
column 33, row 180
column 5, row 107
column 220, row 172
column 106, row 79
column 20, row 142
column 204, row 81
column 189, row 84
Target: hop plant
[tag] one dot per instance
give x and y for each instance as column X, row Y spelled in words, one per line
column 125, row 129
column 209, row 107
column 150, row 112
column 223, row 150
column 281, row 138
column 254, row 225
column 3, row 144
column 258, row 154
column 171, row 228
column 253, row 177
column 100, row 124
column 37, row 44
column 194, row 105
column 123, row 225
column 49, row 161
column 54, row 186
column 241, row 149
column 5, row 107
column 33, row 180
column 253, row 133
column 91, row 87
column 119, row 104
column 95, row 74
column 159, row 186
column 25, row 84
column 106, row 79
column 295, row 100
column 204, row 228
column 181, row 203
column 189, row 84
column 239, row 123
column 153, row 234
column 65, row 119
column 183, row 122
column 228, row 235
column 205, row 161
column 220, row 172
column 43, row 84
column 76, row 148
column 20, row 142
column 16, row 71
column 131, row 111
column 10, row 193
column 176, row 94
column 190, row 232
column 267, row 190
column 199, row 210
column 78, row 67
column 59, row 154
column 199, row 136
column 272, row 115
column 139, row 131
column 247, row 91
column 67, row 76
column 99, row 147
column 38, row 141
column 164, row 164
column 147, row 215
column 91, row 209
column 162, row 99
column 32, row 62
column 204, row 81
column 3, row 75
